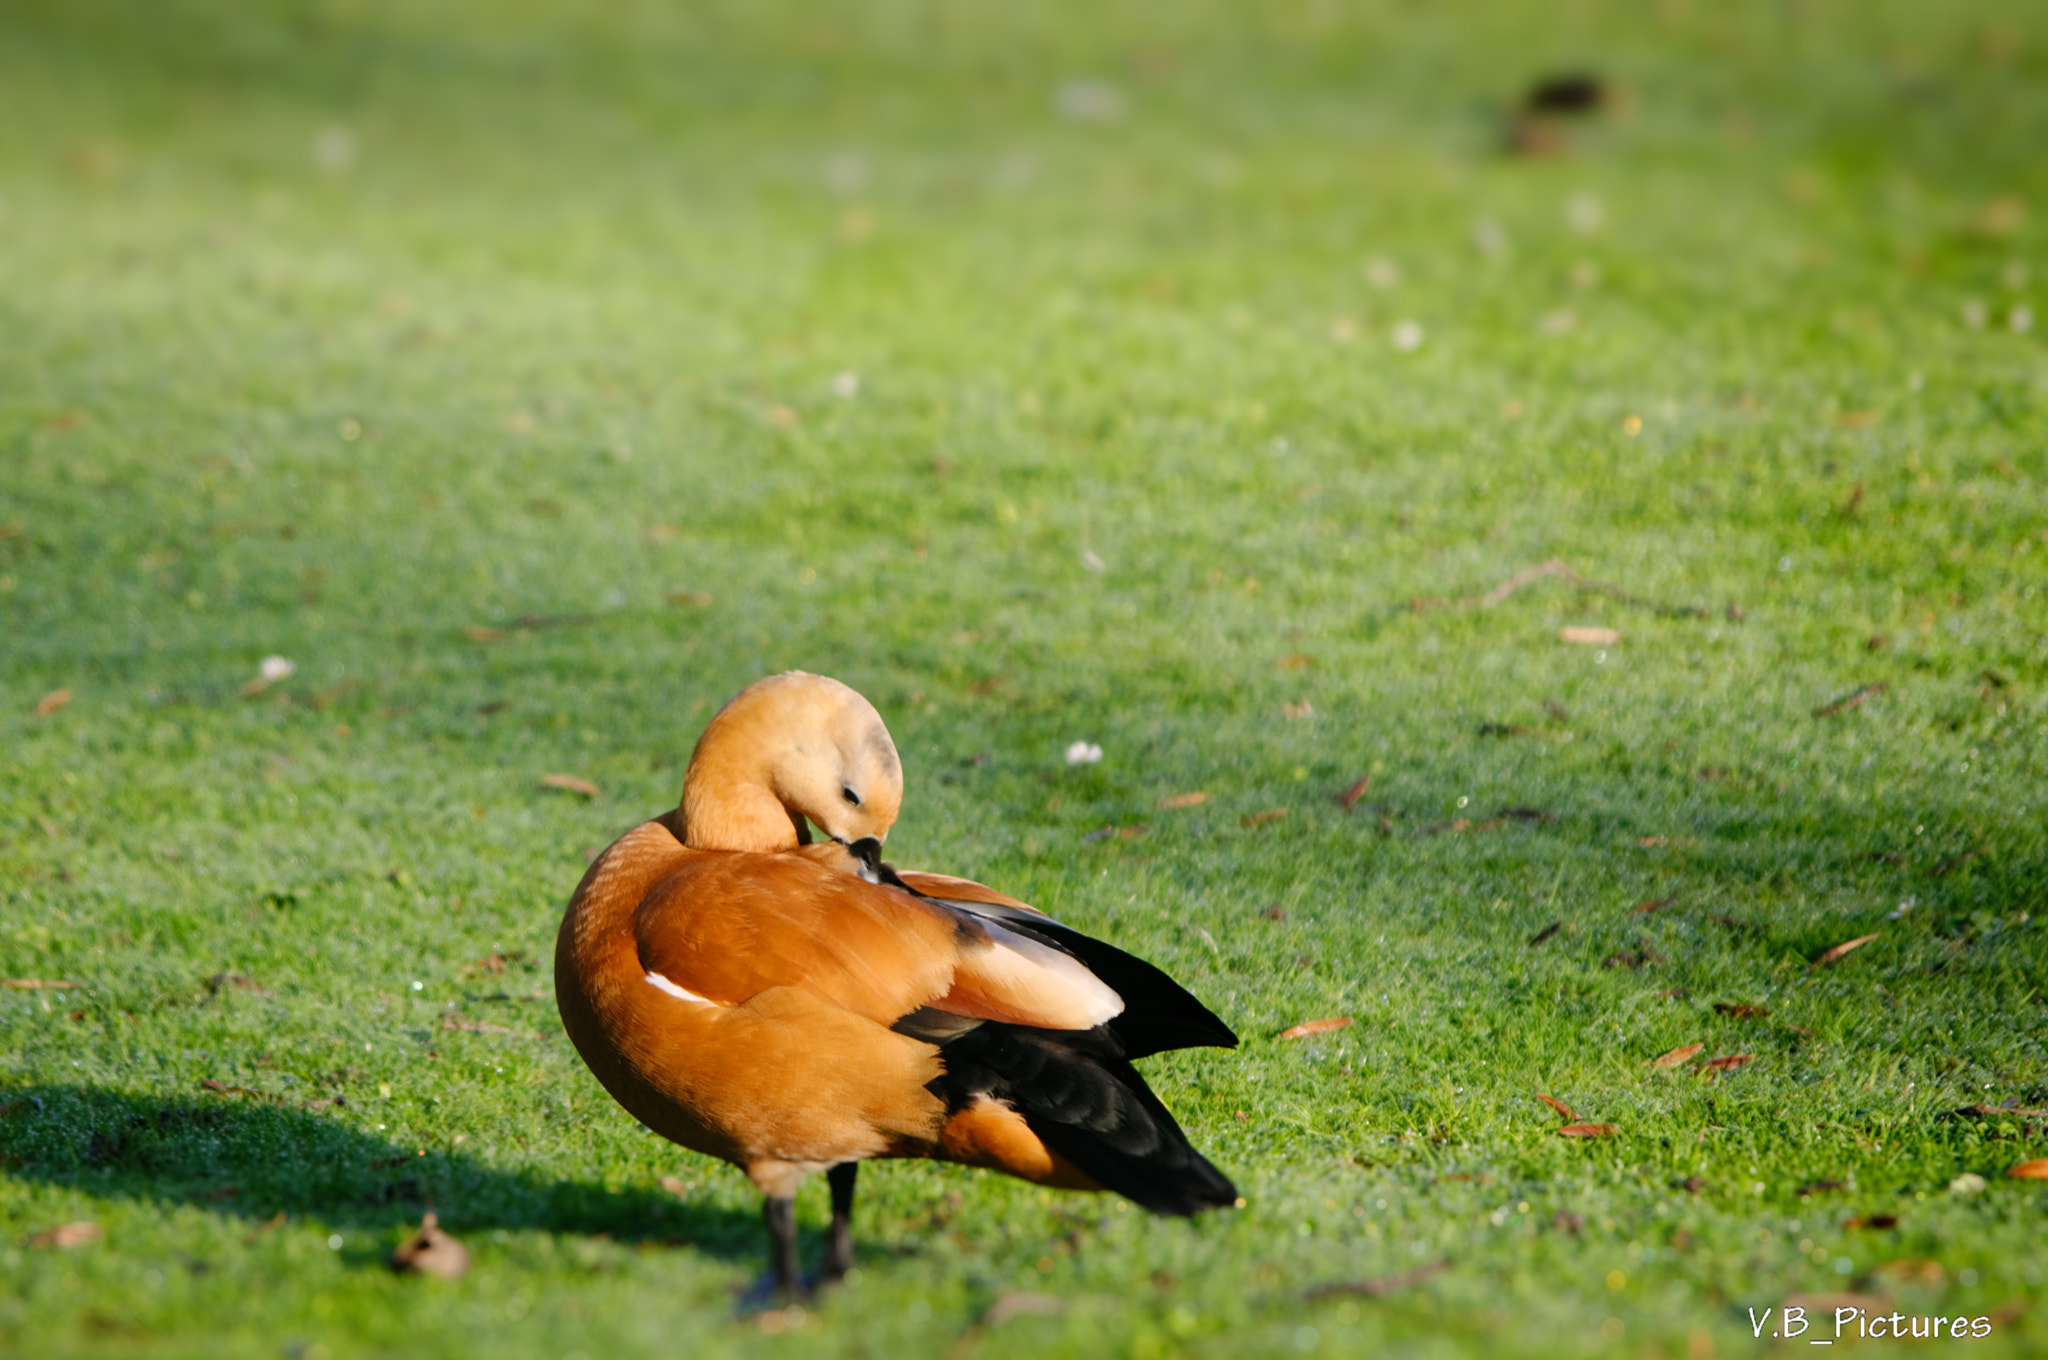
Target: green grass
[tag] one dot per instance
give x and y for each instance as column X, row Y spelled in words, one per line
column 335, row 330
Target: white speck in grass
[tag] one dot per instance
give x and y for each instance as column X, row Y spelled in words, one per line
column 1560, row 322
column 334, row 1241
column 1092, row 562
column 1089, row 101
column 1382, row 272
column 1406, row 336
column 1975, row 314
column 2020, row 320
column 1785, row 563
column 1969, row 1183
column 1585, row 212
column 334, row 149
column 846, row 386
column 1278, row 448
column 846, row 174
column 1084, row 753
column 1899, row 912
column 1599, row 658
column 274, row 668
column 418, row 986
column 1489, row 237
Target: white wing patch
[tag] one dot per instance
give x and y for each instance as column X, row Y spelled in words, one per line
column 1022, row 981
column 679, row 993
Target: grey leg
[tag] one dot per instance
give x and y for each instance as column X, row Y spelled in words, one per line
column 780, row 1215
column 839, row 1246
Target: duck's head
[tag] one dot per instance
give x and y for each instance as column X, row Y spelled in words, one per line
column 786, row 749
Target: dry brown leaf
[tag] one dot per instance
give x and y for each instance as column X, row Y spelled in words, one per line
column 1645, row 908
column 1587, row 1131
column 431, row 1251
column 1308, row 1027
column 1911, row 1271
column 674, row 1185
column 267, row 1226
column 1839, row 950
column 68, row 1235
column 1262, row 818
column 1294, row 662
column 479, row 633
column 1296, row 712
column 52, row 701
column 1874, row 1222
column 1349, row 797
column 1727, row 1064
column 2035, row 1170
column 1681, row 1054
column 1020, row 1303
column 1184, row 800
column 690, row 599
column 569, row 783
column 35, row 984
column 783, row 417
column 1589, row 637
column 1740, row 1011
column 1564, row 1111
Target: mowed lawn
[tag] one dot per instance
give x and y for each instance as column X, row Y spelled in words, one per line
column 1204, row 382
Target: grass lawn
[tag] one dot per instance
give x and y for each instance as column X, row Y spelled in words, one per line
column 1200, row 381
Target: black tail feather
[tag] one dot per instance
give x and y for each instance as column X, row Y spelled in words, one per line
column 1081, row 1096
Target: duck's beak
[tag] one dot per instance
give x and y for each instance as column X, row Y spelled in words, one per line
column 868, row 850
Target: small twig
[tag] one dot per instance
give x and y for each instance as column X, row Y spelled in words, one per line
column 1556, row 568
column 1956, row 861
column 1382, row 1287
column 1849, row 701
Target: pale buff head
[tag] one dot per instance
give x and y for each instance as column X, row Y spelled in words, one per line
column 791, row 746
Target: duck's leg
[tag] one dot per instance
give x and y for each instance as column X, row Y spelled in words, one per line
column 779, row 1211
column 839, row 1246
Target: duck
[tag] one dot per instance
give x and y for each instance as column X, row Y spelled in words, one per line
column 791, row 1003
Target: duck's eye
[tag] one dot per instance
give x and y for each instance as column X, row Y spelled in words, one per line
column 850, row 796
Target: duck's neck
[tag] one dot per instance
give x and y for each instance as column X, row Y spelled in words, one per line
column 729, row 804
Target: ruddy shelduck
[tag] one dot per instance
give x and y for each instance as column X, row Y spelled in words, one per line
column 795, row 1006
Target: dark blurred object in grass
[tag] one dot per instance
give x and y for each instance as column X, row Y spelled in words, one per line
column 1536, row 128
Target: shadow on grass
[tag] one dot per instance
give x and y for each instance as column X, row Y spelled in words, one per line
column 235, row 1157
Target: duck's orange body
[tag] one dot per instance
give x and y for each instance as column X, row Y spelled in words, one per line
column 793, row 1007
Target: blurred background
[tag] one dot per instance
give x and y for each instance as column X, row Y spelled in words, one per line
column 416, row 418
